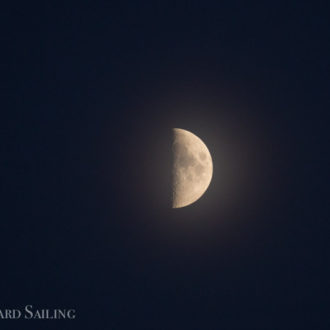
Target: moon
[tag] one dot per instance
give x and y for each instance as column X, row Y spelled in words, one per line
column 192, row 168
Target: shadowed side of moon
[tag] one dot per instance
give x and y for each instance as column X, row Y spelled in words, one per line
column 192, row 168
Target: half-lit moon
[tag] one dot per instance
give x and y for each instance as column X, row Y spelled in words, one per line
column 192, row 168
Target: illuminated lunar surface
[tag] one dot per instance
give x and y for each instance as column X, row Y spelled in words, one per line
column 192, row 168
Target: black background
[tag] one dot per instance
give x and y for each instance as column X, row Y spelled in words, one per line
column 94, row 91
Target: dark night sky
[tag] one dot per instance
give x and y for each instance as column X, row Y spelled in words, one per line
column 93, row 92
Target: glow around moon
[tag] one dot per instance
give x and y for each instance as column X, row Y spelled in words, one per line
column 192, row 168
